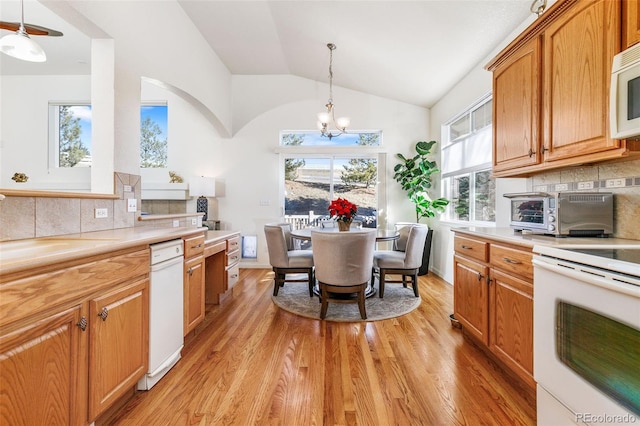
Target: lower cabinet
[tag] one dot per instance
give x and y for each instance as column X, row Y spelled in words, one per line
column 493, row 300
column 73, row 340
column 118, row 348
column 42, row 375
column 193, row 282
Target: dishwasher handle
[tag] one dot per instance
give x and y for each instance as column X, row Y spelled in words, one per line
column 167, row 264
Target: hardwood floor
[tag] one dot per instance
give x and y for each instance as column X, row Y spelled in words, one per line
column 253, row 363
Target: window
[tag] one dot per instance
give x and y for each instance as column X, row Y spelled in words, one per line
column 466, row 165
column 317, row 170
column 70, row 135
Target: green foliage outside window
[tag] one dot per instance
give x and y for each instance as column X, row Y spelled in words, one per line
column 71, row 149
column 153, row 150
column 291, row 165
column 362, row 171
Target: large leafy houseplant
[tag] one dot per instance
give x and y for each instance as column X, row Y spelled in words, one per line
column 414, row 175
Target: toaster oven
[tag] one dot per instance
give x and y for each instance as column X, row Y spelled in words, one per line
column 576, row 214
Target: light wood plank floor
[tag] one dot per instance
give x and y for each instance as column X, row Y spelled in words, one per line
column 252, row 363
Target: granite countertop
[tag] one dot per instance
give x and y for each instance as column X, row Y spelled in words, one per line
column 19, row 255
column 508, row 235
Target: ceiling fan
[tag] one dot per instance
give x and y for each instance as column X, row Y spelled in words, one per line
column 19, row 44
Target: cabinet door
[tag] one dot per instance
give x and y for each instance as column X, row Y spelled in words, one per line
column 193, row 293
column 516, row 109
column 511, row 320
column 631, row 23
column 471, row 298
column 43, row 372
column 118, row 344
column 579, row 49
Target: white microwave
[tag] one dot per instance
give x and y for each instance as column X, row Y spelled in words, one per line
column 624, row 107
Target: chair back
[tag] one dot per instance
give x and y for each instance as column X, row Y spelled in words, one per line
column 415, row 246
column 277, row 245
column 343, row 258
column 403, row 228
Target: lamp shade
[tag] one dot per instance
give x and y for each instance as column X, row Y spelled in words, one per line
column 20, row 46
column 202, row 186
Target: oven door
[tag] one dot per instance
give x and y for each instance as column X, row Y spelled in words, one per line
column 587, row 342
column 529, row 213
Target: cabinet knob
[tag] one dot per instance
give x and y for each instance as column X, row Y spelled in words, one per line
column 190, row 271
column 104, row 313
column 531, row 153
column 480, row 276
column 82, row 323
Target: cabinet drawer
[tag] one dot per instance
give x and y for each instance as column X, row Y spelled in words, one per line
column 233, row 243
column 233, row 257
column 233, row 274
column 512, row 260
column 475, row 249
column 193, row 246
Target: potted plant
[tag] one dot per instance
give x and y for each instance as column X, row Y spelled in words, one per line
column 414, row 175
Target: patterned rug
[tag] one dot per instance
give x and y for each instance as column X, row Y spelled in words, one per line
column 397, row 301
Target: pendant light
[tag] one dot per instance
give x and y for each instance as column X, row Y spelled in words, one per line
column 19, row 44
column 327, row 118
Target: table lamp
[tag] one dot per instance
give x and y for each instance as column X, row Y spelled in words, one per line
column 202, row 187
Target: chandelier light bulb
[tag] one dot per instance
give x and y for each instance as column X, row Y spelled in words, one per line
column 343, row 123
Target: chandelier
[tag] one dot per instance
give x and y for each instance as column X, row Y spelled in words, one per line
column 19, row 44
column 326, row 119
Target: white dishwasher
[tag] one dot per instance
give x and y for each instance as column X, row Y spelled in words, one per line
column 165, row 310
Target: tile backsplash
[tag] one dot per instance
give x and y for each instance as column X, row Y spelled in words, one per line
column 620, row 178
column 32, row 217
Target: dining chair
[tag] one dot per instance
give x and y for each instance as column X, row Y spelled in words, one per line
column 284, row 259
column 343, row 262
column 403, row 228
column 404, row 263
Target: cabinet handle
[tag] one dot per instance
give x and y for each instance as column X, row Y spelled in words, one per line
column 198, row 246
column 234, row 276
column 513, row 262
column 466, row 247
column 82, row 323
column 190, row 271
column 234, row 258
column 543, row 150
column 480, row 276
column 489, row 280
column 531, row 153
column 104, row 313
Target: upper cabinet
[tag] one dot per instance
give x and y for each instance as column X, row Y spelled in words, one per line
column 630, row 23
column 551, row 90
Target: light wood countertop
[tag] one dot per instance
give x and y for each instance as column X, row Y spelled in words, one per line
column 19, row 255
column 508, row 235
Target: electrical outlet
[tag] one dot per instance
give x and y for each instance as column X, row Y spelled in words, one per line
column 176, row 223
column 101, row 213
column 562, row 187
column 615, row 183
column 127, row 188
column 264, row 202
column 585, row 185
column 540, row 188
column 132, row 205
column 194, row 221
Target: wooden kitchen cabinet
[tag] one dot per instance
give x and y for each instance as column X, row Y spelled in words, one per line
column 493, row 300
column 55, row 391
column 118, row 345
column 194, row 282
column 222, row 267
column 551, row 91
column 471, row 297
column 630, row 23
column 61, row 363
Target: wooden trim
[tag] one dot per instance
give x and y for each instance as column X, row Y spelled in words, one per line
column 55, row 194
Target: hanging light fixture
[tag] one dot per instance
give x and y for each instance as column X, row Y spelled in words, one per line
column 19, row 44
column 327, row 118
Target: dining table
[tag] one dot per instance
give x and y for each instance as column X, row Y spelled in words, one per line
column 304, row 234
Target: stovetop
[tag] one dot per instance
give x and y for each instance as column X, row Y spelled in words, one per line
column 614, row 259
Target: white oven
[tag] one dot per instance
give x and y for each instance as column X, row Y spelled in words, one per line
column 587, row 335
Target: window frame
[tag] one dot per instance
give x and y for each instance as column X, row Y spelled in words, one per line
column 53, row 159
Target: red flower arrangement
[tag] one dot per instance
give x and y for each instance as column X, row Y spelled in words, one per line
column 342, row 210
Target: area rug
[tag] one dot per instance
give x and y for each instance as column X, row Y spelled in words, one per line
column 397, row 301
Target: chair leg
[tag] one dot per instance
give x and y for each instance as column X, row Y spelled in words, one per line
column 276, row 283
column 381, row 285
column 415, row 284
column 361, row 306
column 325, row 301
column 311, row 278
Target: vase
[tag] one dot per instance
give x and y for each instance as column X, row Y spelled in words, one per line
column 344, row 225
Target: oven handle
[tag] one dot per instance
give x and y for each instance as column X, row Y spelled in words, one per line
column 610, row 281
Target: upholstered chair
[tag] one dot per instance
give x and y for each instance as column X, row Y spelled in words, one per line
column 284, row 260
column 404, row 263
column 343, row 262
column 403, row 228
